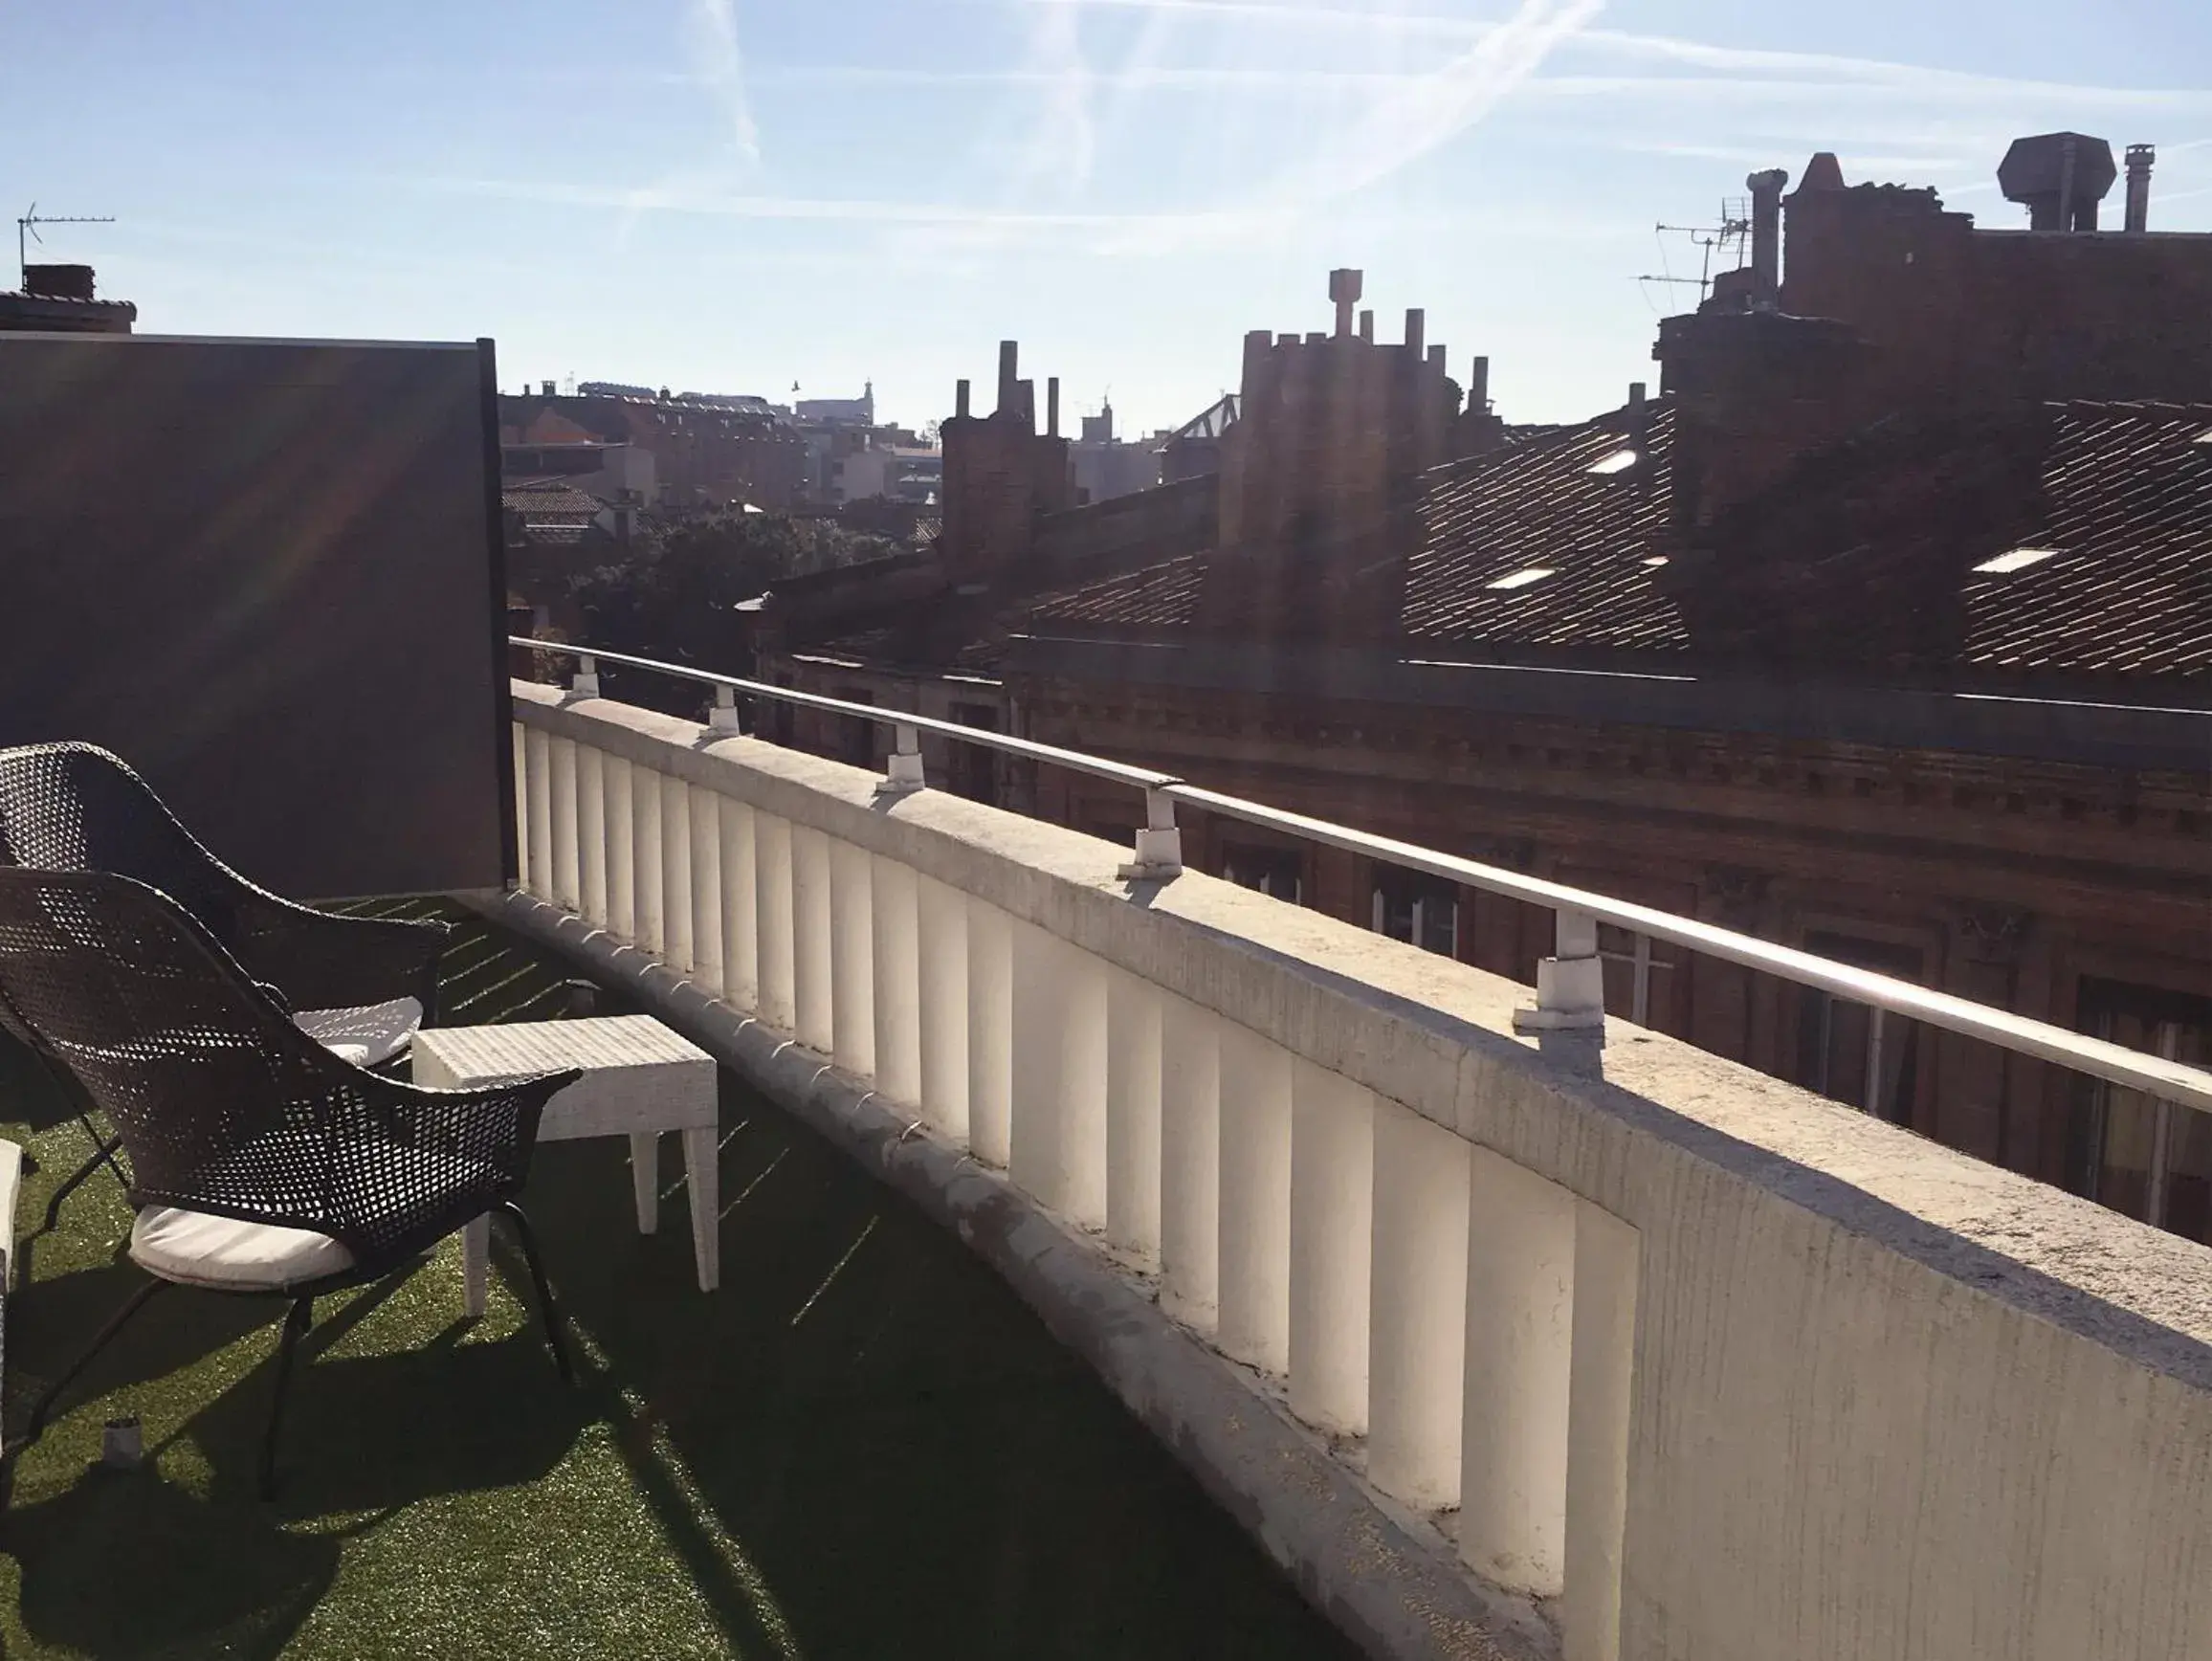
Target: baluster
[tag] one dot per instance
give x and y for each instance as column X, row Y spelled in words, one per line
column 591, row 832
column 811, row 949
column 741, row 907
column 567, row 882
column 1255, row 1292
column 991, row 1032
column 943, row 920
column 1133, row 1115
column 894, row 953
column 1417, row 1327
column 1332, row 1242
column 706, row 890
column 775, row 888
column 851, row 960
column 1189, row 1163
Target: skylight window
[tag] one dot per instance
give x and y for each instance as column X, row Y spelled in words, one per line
column 1620, row 462
column 2019, row 560
column 1521, row 578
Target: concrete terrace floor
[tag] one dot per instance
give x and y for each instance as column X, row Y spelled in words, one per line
column 863, row 1446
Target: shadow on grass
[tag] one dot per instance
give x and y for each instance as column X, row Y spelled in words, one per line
column 122, row 1564
column 904, row 1461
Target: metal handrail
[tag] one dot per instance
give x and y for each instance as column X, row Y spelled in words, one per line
column 1578, row 911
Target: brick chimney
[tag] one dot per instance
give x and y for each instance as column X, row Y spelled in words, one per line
column 1331, row 430
column 1000, row 475
column 58, row 282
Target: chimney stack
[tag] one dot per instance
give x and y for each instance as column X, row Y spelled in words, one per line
column 1478, row 386
column 2139, row 160
column 1052, row 406
column 1344, row 285
column 960, row 399
column 1009, row 370
column 1367, row 326
column 545, row 389
column 58, row 282
column 1026, row 402
column 1766, row 234
column 1416, row 323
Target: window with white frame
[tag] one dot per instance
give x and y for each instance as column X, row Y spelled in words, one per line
column 1633, row 964
column 1417, row 908
column 1279, row 873
column 2143, row 1155
column 1850, row 1051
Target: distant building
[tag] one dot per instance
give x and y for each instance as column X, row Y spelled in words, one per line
column 1105, row 466
column 705, row 454
column 60, row 300
column 857, row 411
column 1884, row 630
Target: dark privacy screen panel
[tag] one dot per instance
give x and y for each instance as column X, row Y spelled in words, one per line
column 263, row 572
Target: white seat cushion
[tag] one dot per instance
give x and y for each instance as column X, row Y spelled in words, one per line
column 367, row 1034
column 229, row 1256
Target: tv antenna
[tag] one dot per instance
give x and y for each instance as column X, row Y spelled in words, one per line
column 1733, row 232
column 27, row 226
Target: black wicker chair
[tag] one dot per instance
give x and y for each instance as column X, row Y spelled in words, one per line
column 262, row 1162
column 361, row 986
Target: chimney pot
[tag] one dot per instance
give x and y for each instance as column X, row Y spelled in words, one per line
column 1478, row 386
column 1052, row 406
column 960, row 399
column 1344, row 285
column 1367, row 326
column 1766, row 233
column 1026, row 402
column 1416, row 322
column 1009, row 372
column 2139, row 160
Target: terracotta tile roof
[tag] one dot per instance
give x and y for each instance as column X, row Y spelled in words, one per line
column 549, row 499
column 2128, row 589
column 1161, row 596
column 1537, row 507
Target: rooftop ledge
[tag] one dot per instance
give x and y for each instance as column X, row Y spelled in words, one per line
column 1681, row 1361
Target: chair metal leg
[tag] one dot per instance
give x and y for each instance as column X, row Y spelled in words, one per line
column 115, row 1323
column 552, row 1317
column 103, row 1152
column 296, row 1322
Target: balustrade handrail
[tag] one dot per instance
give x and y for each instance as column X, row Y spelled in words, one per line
column 1577, row 910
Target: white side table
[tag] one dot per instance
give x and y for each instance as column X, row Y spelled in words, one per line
column 639, row 1079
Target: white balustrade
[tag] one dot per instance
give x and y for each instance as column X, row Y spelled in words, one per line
column 1476, row 1322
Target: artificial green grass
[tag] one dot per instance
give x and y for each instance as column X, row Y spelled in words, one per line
column 862, row 1446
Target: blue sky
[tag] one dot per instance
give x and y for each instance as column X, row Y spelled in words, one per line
column 732, row 196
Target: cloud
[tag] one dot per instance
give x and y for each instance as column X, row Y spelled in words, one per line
column 719, row 65
column 1426, row 112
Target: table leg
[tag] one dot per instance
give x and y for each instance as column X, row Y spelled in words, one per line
column 702, row 1178
column 645, row 1178
column 475, row 1264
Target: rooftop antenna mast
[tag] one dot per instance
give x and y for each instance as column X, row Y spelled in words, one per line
column 1733, row 232
column 27, row 226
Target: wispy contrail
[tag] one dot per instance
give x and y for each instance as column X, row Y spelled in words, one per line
column 722, row 69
